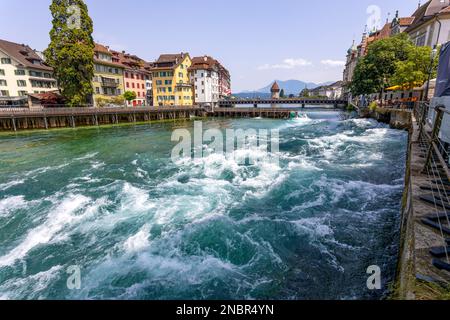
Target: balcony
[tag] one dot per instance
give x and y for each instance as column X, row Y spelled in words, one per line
column 110, row 83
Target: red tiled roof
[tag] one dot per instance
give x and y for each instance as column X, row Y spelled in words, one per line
column 406, row 21
column 24, row 55
column 101, row 48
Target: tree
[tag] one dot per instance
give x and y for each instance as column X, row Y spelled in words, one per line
column 129, row 95
column 416, row 69
column 71, row 50
column 304, row 93
column 282, row 93
column 374, row 71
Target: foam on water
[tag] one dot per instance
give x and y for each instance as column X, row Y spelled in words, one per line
column 143, row 227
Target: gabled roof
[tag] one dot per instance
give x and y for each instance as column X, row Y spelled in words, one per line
column 23, row 54
column 131, row 61
column 169, row 61
column 405, row 21
column 427, row 12
column 204, row 63
column 101, row 48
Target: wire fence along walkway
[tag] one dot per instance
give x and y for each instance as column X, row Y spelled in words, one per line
column 436, row 193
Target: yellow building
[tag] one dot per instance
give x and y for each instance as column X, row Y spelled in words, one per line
column 108, row 80
column 171, row 83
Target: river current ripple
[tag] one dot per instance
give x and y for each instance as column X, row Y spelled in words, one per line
column 141, row 227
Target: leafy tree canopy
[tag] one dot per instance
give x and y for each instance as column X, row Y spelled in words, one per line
column 375, row 70
column 71, row 50
column 129, row 95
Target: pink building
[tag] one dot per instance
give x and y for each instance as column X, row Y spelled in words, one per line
column 136, row 78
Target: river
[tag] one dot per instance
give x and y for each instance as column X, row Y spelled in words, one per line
column 111, row 202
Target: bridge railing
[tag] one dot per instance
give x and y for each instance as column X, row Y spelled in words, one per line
column 81, row 110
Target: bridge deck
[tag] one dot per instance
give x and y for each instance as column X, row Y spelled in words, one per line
column 283, row 101
column 62, row 112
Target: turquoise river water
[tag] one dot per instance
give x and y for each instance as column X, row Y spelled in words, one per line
column 138, row 226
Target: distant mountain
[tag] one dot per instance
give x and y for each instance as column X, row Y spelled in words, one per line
column 290, row 87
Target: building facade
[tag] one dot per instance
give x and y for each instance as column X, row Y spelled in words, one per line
column 204, row 75
column 224, row 83
column 136, row 78
column 23, row 71
column 171, row 81
column 108, row 82
column 431, row 24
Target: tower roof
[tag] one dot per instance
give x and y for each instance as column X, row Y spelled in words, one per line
column 275, row 87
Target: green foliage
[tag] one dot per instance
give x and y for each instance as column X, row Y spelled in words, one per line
column 71, row 50
column 282, row 93
column 129, row 95
column 118, row 101
column 374, row 71
column 102, row 102
column 304, row 93
column 415, row 70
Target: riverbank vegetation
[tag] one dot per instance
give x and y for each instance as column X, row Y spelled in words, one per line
column 71, row 50
column 395, row 61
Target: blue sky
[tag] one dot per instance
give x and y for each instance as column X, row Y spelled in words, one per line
column 257, row 40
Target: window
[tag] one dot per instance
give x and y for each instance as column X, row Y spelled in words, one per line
column 36, row 74
column 158, row 82
column 2, row 72
column 3, row 83
column 4, row 93
column 168, row 82
column 128, row 84
column 97, row 90
column 126, row 74
column 139, row 94
column 180, row 75
column 21, row 83
column 6, row 61
column 22, row 93
column 132, row 85
column 19, row 72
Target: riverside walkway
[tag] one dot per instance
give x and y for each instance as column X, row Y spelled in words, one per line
column 15, row 119
column 45, row 118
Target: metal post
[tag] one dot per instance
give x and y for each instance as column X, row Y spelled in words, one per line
column 434, row 135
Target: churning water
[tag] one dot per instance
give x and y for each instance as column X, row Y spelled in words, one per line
column 141, row 227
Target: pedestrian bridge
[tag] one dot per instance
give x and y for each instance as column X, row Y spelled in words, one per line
column 296, row 101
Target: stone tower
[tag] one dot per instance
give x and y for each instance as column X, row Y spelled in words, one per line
column 275, row 90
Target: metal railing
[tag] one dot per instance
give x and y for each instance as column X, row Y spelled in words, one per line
column 436, row 168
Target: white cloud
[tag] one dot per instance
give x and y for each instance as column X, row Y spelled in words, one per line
column 287, row 64
column 333, row 63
